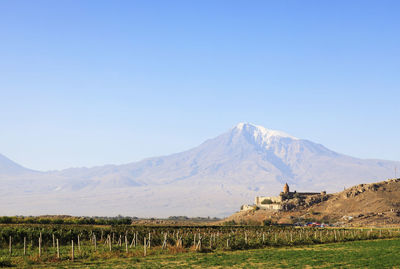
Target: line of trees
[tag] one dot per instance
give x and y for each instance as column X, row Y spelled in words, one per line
column 119, row 220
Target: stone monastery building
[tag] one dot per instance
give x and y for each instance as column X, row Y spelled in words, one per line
column 275, row 202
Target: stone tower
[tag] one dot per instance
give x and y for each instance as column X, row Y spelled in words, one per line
column 286, row 188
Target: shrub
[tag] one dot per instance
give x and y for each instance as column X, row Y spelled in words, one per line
column 58, row 221
column 5, row 262
column 266, row 202
column 44, row 221
column 230, row 223
column 267, row 222
column 6, row 220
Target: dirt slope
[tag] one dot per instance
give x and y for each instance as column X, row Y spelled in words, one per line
column 375, row 204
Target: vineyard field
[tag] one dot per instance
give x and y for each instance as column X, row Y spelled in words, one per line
column 73, row 245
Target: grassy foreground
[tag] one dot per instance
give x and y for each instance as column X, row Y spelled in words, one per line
column 357, row 254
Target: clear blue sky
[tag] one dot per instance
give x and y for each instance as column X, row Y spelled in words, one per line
column 86, row 83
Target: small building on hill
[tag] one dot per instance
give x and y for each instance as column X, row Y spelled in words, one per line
column 275, row 202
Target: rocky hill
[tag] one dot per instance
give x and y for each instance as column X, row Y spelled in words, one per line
column 375, row 204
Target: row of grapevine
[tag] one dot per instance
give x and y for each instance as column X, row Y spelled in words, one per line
column 202, row 238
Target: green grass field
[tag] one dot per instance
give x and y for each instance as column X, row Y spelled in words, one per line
column 357, row 254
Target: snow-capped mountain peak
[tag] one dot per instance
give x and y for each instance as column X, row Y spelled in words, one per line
column 260, row 133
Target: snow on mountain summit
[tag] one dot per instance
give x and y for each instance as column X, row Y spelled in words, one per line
column 261, row 133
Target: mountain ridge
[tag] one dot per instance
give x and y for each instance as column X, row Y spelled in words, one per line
column 210, row 179
column 9, row 166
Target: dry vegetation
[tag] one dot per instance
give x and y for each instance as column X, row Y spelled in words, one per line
column 375, row 204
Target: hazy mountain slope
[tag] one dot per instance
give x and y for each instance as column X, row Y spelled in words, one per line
column 211, row 179
column 8, row 167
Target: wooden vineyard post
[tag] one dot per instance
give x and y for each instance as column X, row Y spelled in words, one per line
column 95, row 242
column 40, row 244
column 198, row 247
column 126, row 244
column 164, row 245
column 227, row 243
column 54, row 243
column 58, row 249
column 101, row 237
column 133, row 241
column 144, row 247
column 109, row 242
column 10, row 246
column 179, row 242
column 24, row 246
column 79, row 244
column 194, row 240
column 149, row 240
column 72, row 250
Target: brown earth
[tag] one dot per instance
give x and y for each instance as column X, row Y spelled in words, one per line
column 375, row 204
